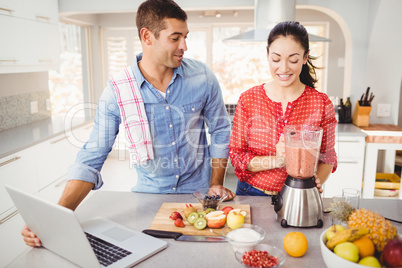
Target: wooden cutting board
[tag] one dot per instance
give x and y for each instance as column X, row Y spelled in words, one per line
column 162, row 221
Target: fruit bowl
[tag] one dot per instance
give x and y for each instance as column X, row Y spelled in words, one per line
column 272, row 251
column 331, row 259
column 210, row 197
column 244, row 238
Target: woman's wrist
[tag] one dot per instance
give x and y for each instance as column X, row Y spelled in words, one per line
column 262, row 163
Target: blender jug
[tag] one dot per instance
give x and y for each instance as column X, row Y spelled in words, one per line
column 302, row 146
column 299, row 202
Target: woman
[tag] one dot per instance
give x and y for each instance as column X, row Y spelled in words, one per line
column 257, row 148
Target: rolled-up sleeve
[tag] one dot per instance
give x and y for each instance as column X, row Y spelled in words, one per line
column 217, row 119
column 93, row 154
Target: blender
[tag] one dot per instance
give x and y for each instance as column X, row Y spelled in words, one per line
column 299, row 203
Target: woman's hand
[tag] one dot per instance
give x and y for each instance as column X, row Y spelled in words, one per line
column 280, row 159
column 318, row 183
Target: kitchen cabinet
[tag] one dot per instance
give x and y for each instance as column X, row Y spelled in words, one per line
column 12, row 8
column 41, row 170
column 12, row 243
column 349, row 174
column 56, row 155
column 18, row 170
column 30, row 36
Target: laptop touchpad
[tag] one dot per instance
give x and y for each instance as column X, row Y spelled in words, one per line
column 118, row 234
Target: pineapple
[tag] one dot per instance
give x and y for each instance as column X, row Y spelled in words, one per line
column 381, row 230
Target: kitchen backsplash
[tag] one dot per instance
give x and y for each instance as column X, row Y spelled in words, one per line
column 15, row 110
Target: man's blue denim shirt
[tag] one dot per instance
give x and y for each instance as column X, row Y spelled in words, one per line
column 177, row 125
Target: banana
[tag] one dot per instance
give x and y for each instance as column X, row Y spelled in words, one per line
column 348, row 235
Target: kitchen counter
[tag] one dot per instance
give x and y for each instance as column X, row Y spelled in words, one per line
column 18, row 138
column 137, row 211
column 349, row 130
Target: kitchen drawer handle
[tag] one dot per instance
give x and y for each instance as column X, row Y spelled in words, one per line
column 10, row 161
column 9, row 216
column 348, row 162
column 6, row 9
column 8, row 60
column 42, row 17
column 59, row 140
column 45, row 60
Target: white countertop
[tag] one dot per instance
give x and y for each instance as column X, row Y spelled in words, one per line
column 18, row 138
column 349, row 130
column 137, row 210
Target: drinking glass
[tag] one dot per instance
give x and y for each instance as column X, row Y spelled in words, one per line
column 352, row 196
column 338, row 200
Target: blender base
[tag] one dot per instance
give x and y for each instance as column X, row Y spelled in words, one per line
column 299, row 204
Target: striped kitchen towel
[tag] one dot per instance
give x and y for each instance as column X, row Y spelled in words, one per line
column 133, row 115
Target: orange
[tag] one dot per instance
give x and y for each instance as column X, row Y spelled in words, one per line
column 295, row 244
column 366, row 246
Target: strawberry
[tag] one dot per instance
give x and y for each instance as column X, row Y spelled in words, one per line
column 178, row 222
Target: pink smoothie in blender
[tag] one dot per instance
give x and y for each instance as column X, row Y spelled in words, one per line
column 302, row 146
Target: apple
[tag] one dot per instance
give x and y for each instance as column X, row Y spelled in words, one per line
column 238, row 210
column 370, row 261
column 216, row 219
column 226, row 209
column 391, row 256
column 348, row 251
column 235, row 219
column 334, row 229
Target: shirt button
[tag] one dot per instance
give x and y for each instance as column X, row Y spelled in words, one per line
column 170, row 125
column 177, row 176
column 286, row 121
column 174, row 188
column 168, row 91
column 175, row 159
column 192, row 109
column 290, row 106
column 167, row 107
column 173, row 143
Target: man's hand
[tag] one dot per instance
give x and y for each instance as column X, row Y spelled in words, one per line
column 30, row 238
column 218, row 187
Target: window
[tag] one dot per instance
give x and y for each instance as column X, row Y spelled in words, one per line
column 66, row 85
column 121, row 47
column 319, row 50
column 238, row 66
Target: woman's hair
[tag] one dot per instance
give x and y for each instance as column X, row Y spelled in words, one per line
column 152, row 13
column 297, row 31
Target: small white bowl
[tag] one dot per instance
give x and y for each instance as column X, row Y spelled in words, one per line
column 244, row 238
column 273, row 251
column 331, row 259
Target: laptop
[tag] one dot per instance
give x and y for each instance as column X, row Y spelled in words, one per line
column 95, row 243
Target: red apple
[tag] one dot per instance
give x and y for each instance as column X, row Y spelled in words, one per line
column 391, row 256
column 216, row 219
column 226, row 209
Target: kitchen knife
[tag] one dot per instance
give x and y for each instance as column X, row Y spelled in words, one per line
column 180, row 237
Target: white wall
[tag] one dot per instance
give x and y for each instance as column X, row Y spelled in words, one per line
column 384, row 60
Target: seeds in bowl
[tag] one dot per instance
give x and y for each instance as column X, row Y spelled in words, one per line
column 259, row 258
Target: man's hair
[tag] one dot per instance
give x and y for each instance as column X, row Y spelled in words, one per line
column 152, row 13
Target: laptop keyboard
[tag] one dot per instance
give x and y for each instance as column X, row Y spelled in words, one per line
column 106, row 252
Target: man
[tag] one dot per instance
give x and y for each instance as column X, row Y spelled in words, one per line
column 180, row 96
